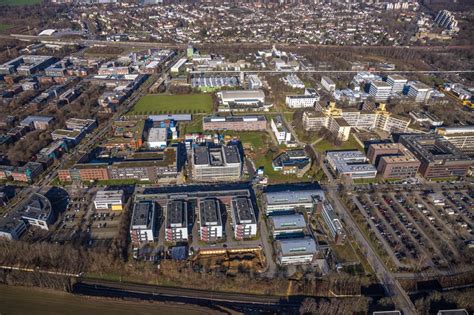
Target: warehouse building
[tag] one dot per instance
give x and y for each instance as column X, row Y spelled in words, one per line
column 109, row 200
column 351, row 163
column 176, row 221
column 210, row 220
column 393, row 160
column 241, row 100
column 235, row 123
column 244, row 222
column 287, row 225
column 216, row 163
column 143, row 222
column 296, row 251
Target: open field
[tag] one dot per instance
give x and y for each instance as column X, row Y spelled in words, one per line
column 19, row 2
column 164, row 104
column 21, row 300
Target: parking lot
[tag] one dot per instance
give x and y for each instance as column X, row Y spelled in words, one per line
column 417, row 229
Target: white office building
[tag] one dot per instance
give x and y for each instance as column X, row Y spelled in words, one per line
column 157, row 138
column 380, row 90
column 296, row 251
column 351, row 163
column 178, row 65
column 419, row 91
column 328, row 84
column 109, row 200
column 254, row 82
column 397, row 82
column 282, row 134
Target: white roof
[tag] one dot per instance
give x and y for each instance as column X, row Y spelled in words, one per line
column 47, row 32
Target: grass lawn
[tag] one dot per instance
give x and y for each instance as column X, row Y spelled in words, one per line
column 351, row 144
column 194, row 126
column 4, row 27
column 167, row 104
column 19, row 2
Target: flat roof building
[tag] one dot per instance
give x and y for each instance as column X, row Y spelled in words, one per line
column 158, row 138
column 291, row 199
column 216, row 163
column 143, row 222
column 462, row 137
column 210, row 220
column 176, row 221
column 287, row 225
column 380, row 90
column 295, row 162
column 393, row 160
column 241, row 99
column 282, row 134
column 439, row 158
column 333, row 223
column 295, row 251
column 352, row 163
column 109, row 200
column 397, row 82
column 236, row 123
column 244, row 222
column 37, row 122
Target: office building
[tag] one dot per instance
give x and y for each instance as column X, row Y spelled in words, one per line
column 235, row 123
column 295, row 162
column 176, row 220
column 244, row 222
column 287, row 225
column 27, row 65
column 397, row 82
column 293, row 81
column 157, row 138
column 426, row 118
column 439, row 158
column 328, row 84
column 37, row 122
column 393, row 160
column 351, row 163
column 294, row 198
column 216, row 163
column 109, row 200
column 419, row 91
column 282, row 134
column 462, row 137
column 210, row 220
column 178, row 65
column 380, row 90
column 308, row 99
column 241, row 100
column 340, row 120
column 295, row 251
column 254, row 82
column 333, row 223
column 27, row 173
column 143, row 222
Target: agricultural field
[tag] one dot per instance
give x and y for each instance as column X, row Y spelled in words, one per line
column 176, row 104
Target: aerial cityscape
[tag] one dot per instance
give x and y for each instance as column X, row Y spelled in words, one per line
column 237, row 157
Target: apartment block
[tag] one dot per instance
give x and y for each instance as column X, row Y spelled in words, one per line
column 244, row 222
column 210, row 220
column 176, row 220
column 143, row 222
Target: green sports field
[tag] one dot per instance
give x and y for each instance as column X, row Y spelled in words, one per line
column 19, row 2
column 173, row 104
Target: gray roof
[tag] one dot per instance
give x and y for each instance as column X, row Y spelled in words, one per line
column 176, row 213
column 293, row 196
column 243, row 210
column 178, row 117
column 297, row 246
column 210, row 212
column 143, row 214
column 350, row 161
column 291, row 221
column 30, row 119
